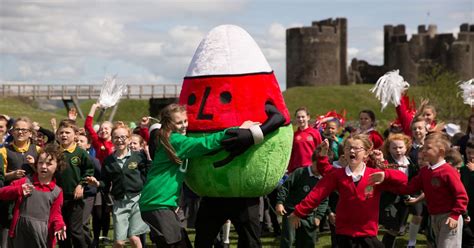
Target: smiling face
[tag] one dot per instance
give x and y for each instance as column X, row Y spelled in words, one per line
column 180, row 122
column 135, row 143
column 302, row 119
column 21, row 131
column 82, row 142
column 365, row 122
column 105, row 130
column 46, row 166
column 331, row 129
column 121, row 139
column 429, row 115
column 419, row 131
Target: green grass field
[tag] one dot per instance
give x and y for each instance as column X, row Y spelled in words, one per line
column 318, row 100
column 324, row 240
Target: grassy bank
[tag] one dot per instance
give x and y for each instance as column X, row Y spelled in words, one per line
column 319, row 100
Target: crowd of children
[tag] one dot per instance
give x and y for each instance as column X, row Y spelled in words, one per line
column 55, row 184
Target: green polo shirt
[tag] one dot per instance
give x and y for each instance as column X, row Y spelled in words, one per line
column 79, row 166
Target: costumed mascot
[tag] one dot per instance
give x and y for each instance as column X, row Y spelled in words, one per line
column 228, row 82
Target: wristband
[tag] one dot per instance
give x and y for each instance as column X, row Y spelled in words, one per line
column 257, row 134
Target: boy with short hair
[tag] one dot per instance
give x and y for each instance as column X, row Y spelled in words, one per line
column 445, row 195
column 294, row 189
column 72, row 181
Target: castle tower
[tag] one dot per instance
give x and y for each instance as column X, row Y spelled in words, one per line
column 397, row 52
column 317, row 55
column 462, row 53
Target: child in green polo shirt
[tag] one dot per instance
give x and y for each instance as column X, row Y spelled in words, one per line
column 125, row 171
column 295, row 188
column 72, row 180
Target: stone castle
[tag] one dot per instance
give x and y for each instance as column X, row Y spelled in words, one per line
column 317, row 55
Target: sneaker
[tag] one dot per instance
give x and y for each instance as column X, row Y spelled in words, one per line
column 105, row 240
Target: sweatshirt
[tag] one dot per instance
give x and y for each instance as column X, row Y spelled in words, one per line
column 358, row 206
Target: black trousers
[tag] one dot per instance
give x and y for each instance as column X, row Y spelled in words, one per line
column 73, row 217
column 468, row 235
column 358, row 242
column 242, row 212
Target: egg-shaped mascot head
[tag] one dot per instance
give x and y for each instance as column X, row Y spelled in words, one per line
column 228, row 82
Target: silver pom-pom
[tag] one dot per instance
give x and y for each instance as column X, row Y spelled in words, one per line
column 111, row 92
column 467, row 90
column 389, row 88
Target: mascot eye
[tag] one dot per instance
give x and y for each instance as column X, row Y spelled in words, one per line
column 191, row 99
column 225, row 97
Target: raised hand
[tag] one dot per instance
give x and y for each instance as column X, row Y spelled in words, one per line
column 324, row 148
column 145, row 122
column 53, row 124
column 72, row 114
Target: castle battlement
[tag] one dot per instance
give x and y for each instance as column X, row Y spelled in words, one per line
column 427, row 45
column 317, row 55
column 430, row 30
column 465, row 27
column 322, row 47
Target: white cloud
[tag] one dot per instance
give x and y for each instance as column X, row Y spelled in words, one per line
column 146, row 49
column 352, row 52
column 464, row 16
column 51, row 40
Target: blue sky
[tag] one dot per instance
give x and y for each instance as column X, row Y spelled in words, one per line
column 145, row 41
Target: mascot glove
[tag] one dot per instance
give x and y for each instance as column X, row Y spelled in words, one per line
column 238, row 143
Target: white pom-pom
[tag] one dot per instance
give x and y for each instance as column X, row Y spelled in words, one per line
column 111, row 92
column 467, row 89
column 389, row 88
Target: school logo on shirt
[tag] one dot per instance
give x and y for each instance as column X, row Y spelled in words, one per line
column 306, row 188
column 75, row 161
column 435, row 182
column 132, row 165
column 298, row 137
column 309, row 138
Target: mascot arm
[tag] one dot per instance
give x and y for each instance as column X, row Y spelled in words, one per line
column 274, row 121
column 242, row 139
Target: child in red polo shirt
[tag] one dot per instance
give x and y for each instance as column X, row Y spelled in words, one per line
column 37, row 219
